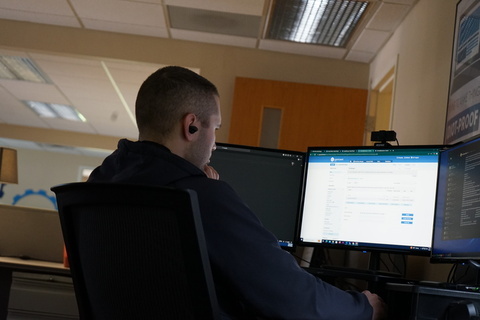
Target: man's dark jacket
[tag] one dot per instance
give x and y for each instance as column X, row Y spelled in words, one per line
column 252, row 274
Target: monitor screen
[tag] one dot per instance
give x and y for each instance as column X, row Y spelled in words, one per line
column 268, row 180
column 376, row 199
column 457, row 219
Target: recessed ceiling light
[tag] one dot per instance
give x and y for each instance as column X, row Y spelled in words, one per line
column 21, row 68
column 55, row 110
column 323, row 22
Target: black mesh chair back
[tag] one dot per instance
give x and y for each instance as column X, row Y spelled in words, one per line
column 136, row 252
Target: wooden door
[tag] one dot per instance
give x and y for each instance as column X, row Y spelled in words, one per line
column 297, row 115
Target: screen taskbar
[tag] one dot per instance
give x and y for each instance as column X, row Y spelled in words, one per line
column 375, row 246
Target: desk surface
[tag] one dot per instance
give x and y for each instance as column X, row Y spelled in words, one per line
column 17, row 264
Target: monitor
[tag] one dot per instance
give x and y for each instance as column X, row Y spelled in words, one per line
column 456, row 236
column 374, row 199
column 268, row 180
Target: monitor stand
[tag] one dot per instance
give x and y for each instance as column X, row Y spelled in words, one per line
column 372, row 271
column 374, row 266
column 374, row 262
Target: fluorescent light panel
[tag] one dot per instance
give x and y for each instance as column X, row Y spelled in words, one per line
column 55, row 110
column 20, row 68
column 323, row 22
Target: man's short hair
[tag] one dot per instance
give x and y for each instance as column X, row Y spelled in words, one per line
column 170, row 93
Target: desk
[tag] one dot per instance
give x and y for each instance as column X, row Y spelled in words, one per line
column 9, row 265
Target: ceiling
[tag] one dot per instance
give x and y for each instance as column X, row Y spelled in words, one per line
column 112, row 85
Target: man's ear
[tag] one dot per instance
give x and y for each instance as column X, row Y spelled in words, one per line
column 189, row 126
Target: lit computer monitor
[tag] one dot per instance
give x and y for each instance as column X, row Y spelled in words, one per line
column 375, row 199
column 456, row 236
column 268, row 180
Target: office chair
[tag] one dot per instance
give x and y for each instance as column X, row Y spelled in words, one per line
column 136, row 252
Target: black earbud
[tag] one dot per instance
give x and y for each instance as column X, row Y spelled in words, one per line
column 192, row 129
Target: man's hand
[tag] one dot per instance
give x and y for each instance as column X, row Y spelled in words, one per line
column 211, row 173
column 379, row 307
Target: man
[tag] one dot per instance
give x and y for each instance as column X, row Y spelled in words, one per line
column 177, row 113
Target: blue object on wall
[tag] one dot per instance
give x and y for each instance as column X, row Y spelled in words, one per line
column 30, row 192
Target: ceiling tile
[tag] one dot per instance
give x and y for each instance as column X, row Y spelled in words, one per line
column 214, row 21
column 125, row 28
column 111, row 129
column 64, row 58
column 129, row 94
column 107, row 118
column 39, row 18
column 12, row 111
column 407, row 2
column 149, row 1
column 73, row 68
column 68, row 125
column 53, row 7
column 128, row 77
column 55, row 12
column 213, row 38
column 123, row 12
column 42, row 92
column 129, row 72
column 388, row 17
column 79, row 87
column 250, row 7
column 95, row 109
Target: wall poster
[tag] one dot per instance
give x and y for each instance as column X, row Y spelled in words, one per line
column 463, row 110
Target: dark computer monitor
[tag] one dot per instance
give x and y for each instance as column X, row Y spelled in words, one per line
column 268, row 180
column 375, row 199
column 456, row 236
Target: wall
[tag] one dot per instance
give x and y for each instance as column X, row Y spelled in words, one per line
column 421, row 50
column 38, row 171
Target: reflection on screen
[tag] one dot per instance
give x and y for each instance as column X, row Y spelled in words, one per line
column 268, row 180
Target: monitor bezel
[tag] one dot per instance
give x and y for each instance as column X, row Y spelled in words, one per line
column 372, row 248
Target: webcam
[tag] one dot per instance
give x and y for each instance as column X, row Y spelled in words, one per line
column 382, row 137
